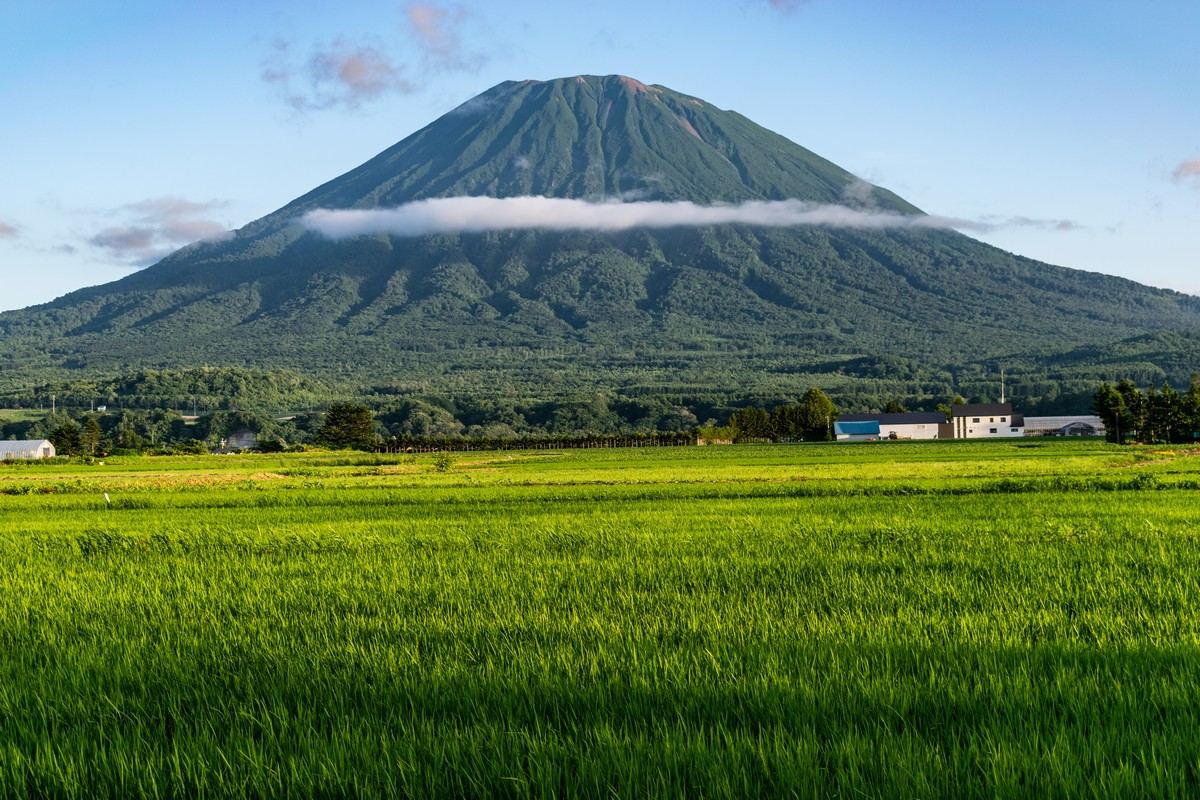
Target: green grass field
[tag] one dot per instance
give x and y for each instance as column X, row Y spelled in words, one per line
column 894, row 620
column 19, row 414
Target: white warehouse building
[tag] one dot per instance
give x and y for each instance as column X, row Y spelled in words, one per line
column 986, row 421
column 866, row 427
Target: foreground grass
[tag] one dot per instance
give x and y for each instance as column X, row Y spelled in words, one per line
column 900, row 620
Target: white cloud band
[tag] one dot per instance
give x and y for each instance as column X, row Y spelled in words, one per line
column 479, row 214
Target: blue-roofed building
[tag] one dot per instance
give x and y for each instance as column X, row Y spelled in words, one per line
column 864, row 427
column 856, row 431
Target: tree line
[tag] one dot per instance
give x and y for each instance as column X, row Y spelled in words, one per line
column 415, row 425
column 810, row 420
column 1155, row 416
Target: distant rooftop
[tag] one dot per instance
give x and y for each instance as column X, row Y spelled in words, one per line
column 982, row 409
column 906, row 418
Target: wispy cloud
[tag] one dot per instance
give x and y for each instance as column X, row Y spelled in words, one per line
column 1187, row 170
column 438, row 31
column 8, row 230
column 338, row 74
column 477, row 214
column 155, row 227
column 346, row 73
column 1063, row 225
column 787, row 5
column 859, row 193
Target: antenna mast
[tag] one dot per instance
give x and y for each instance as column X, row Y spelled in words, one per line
column 1002, row 385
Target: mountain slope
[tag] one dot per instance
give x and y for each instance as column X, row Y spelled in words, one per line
column 719, row 309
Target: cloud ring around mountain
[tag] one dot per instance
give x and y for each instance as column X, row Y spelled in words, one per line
column 480, row 214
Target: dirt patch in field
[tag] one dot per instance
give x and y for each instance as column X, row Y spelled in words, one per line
column 210, row 479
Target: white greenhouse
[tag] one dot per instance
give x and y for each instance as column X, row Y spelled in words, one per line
column 25, row 449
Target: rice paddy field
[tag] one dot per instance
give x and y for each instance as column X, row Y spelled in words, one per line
column 1017, row 619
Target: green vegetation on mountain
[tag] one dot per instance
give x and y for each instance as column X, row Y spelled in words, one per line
column 686, row 315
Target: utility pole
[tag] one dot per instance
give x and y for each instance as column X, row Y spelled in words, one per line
column 53, row 406
column 1002, row 385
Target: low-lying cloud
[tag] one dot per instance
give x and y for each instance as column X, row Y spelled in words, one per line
column 8, row 230
column 158, row 226
column 480, row 214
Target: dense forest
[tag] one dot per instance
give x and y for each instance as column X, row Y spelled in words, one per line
column 193, row 410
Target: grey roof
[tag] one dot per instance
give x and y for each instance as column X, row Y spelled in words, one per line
column 1063, row 420
column 908, row 418
column 983, row 410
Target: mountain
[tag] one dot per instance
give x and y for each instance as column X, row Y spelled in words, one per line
column 722, row 310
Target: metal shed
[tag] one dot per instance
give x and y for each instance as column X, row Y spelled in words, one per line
column 853, row 430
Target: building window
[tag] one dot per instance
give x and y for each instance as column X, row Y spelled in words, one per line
column 991, row 430
column 975, row 419
column 1015, row 430
column 991, row 419
column 1004, row 419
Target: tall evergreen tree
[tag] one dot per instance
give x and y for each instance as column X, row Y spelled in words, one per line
column 1164, row 416
column 89, row 439
column 787, row 422
column 348, row 426
column 1190, row 410
column 65, row 439
column 1109, row 405
column 751, row 423
column 1133, row 418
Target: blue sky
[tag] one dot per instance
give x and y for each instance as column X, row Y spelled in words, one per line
column 128, row 129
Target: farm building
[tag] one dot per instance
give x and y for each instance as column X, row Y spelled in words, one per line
column 1080, row 425
column 241, row 439
column 862, row 427
column 985, row 421
column 26, row 449
column 856, row 430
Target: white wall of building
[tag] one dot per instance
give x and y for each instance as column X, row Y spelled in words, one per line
column 908, row 431
column 987, row 426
